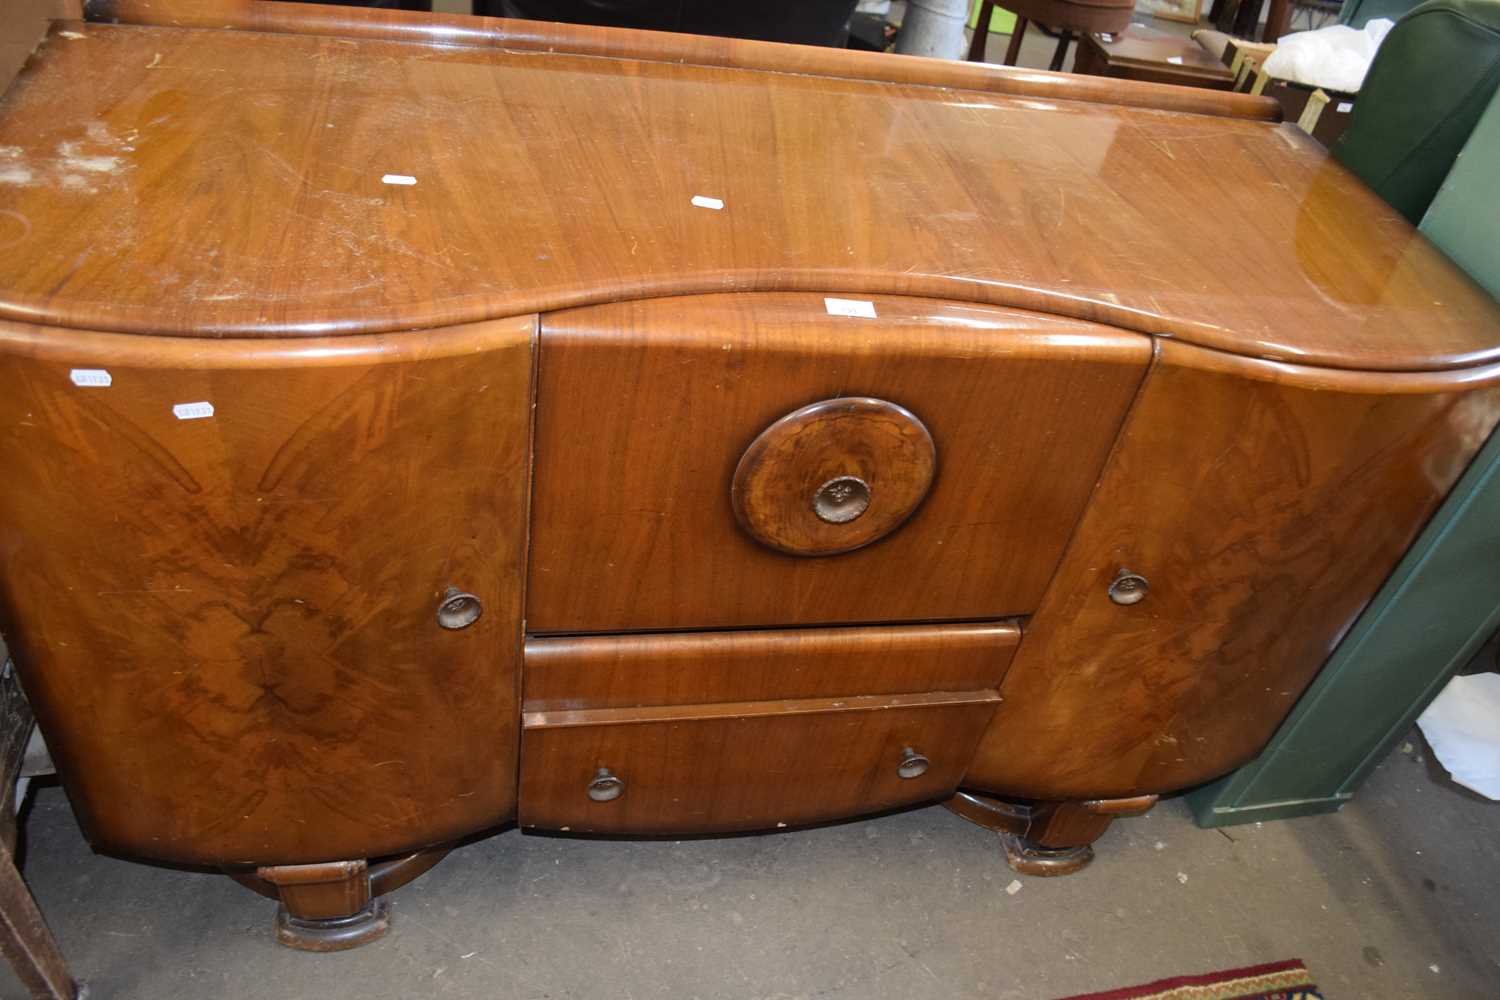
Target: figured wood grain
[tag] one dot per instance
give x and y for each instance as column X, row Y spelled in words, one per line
column 660, row 46
column 719, row 768
column 230, row 183
column 227, row 625
column 1264, row 506
column 644, row 410
column 833, row 476
column 693, row 668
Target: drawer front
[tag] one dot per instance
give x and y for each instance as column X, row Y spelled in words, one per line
column 747, row 766
column 629, row 671
column 750, row 460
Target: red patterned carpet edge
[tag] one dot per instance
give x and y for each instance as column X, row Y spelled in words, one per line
column 1287, row 980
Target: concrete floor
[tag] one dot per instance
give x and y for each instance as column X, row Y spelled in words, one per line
column 1392, row 898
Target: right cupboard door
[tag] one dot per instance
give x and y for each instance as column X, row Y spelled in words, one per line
column 766, row 460
column 1262, row 504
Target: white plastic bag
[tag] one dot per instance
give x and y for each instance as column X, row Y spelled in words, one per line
column 1334, row 58
column 1463, row 726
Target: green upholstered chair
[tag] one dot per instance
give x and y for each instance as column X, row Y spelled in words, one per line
column 1358, row 13
column 1431, row 80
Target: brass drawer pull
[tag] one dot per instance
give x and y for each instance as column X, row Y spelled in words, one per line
column 1128, row 588
column 913, row 764
column 458, row 610
column 606, row 786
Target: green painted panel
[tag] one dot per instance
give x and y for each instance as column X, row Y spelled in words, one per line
column 1465, row 216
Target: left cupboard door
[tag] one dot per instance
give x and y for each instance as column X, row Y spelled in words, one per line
column 222, row 567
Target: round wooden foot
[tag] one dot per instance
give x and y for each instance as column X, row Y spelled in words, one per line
column 1033, row 859
column 335, row 906
column 335, row 933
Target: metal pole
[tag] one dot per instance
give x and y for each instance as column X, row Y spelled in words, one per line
column 933, row 28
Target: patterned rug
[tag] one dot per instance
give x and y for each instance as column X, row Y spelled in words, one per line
column 1276, row 981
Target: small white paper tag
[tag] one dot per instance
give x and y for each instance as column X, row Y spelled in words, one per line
column 850, row 307
column 1344, row 107
column 402, row 179
column 703, row 201
column 1175, row 60
column 91, row 378
column 193, row 411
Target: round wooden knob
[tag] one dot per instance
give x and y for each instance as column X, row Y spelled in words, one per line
column 833, row 476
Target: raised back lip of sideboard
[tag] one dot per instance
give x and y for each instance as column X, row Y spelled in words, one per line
column 557, row 167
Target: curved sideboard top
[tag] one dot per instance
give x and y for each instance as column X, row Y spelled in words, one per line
column 193, row 181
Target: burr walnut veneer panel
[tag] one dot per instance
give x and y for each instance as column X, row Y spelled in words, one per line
column 227, row 623
column 1264, row 503
column 644, row 410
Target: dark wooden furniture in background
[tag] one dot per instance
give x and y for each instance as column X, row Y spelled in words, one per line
column 25, row 940
column 1241, row 18
column 717, row 477
column 1143, row 53
column 803, row 22
column 1069, row 18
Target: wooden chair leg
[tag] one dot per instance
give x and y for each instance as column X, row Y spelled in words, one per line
column 1013, row 50
column 1061, row 53
column 27, row 943
column 981, row 32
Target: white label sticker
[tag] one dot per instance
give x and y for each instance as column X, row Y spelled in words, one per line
column 703, row 201
column 850, row 307
column 402, row 179
column 91, row 378
column 1345, row 107
column 193, row 411
column 1175, row 60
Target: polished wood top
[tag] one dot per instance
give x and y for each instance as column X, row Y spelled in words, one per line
column 249, row 183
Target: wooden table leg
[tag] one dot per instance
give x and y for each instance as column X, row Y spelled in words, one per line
column 27, row 943
column 981, row 32
column 1278, row 18
column 1058, row 56
column 1013, row 50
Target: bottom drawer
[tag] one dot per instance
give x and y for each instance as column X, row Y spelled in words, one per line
column 744, row 766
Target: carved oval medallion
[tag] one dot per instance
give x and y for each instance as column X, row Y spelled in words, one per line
column 833, row 476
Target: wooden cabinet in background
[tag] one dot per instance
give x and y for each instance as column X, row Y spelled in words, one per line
column 491, row 422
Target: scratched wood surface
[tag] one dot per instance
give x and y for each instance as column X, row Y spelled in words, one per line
column 193, row 181
column 226, row 624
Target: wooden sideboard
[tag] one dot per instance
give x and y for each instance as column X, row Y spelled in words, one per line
column 417, row 425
